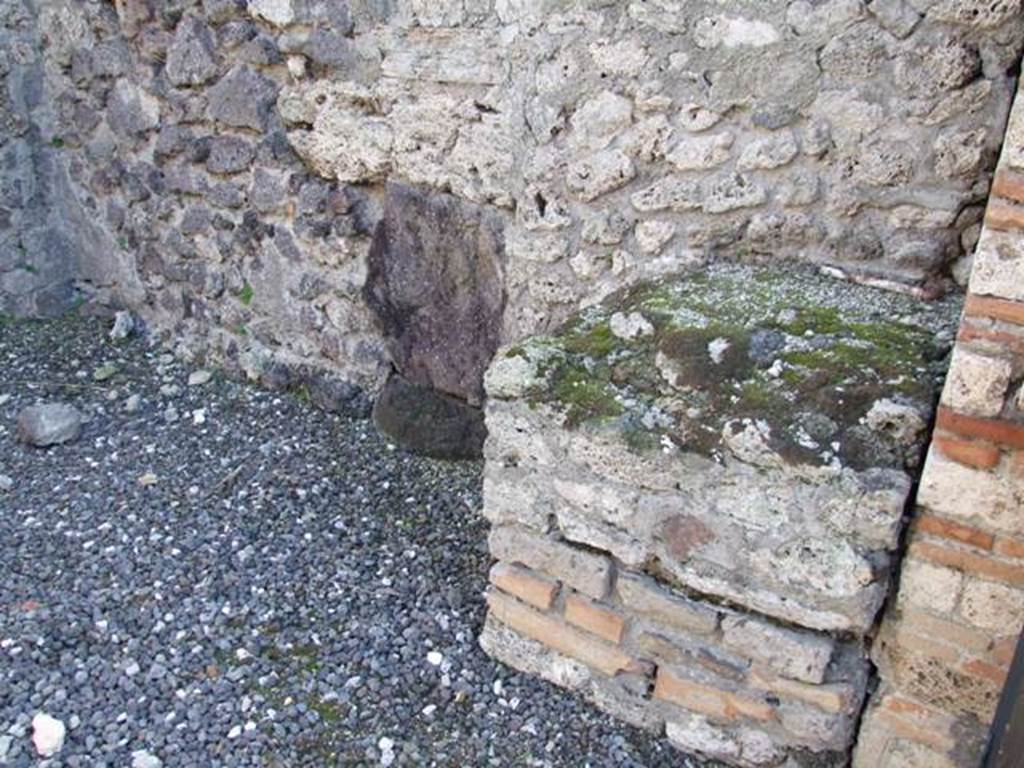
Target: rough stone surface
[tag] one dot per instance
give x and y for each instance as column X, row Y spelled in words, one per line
column 49, row 424
column 435, row 286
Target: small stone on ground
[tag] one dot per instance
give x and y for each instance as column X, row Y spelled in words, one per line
column 49, row 424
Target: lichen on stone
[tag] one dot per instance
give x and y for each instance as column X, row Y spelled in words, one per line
column 804, row 356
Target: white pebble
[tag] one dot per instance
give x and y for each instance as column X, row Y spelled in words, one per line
column 47, row 734
column 143, row 759
column 434, row 658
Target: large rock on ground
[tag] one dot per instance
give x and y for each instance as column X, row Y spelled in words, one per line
column 435, row 286
column 49, row 424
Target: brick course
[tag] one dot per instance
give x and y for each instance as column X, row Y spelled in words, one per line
column 946, row 644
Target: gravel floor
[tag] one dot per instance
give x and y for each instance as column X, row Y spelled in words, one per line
column 229, row 577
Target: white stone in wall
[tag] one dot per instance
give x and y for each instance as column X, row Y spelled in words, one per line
column 670, row 193
column 694, row 153
column 984, row 14
column 647, row 140
column 695, row 733
column 964, row 493
column 732, row 191
column 1013, row 146
column 600, row 173
column 993, row 607
column 462, row 56
column 546, row 248
column 999, row 265
column 977, row 384
column 346, row 146
column 652, row 236
column 630, row 326
column 733, row 32
column 930, row 587
column 621, row 57
column 768, row 152
column 959, row 153
column 483, row 164
column 599, row 119
column 591, row 263
column 696, row 118
column 851, row 118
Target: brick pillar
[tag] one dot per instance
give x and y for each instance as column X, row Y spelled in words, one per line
column 947, row 641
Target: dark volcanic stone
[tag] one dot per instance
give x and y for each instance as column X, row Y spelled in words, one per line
column 428, row 422
column 435, row 286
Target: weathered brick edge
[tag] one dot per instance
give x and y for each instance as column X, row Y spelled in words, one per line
column 946, row 643
column 717, row 681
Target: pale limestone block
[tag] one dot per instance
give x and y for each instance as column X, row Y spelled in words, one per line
column 992, row 500
column 992, row 606
column 599, row 119
column 652, row 236
column 931, row 587
column 977, row 384
column 694, row 153
column 999, row 264
column 797, row 655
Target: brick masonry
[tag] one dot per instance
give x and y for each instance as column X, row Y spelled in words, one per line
column 946, row 642
column 717, row 591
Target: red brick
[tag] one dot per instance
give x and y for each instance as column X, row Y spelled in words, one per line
column 538, row 591
column 1003, row 650
column 926, row 646
column 993, row 430
column 707, row 700
column 998, row 309
column 1013, row 342
column 968, row 562
column 684, row 533
column 1004, row 216
column 940, row 629
column 973, row 453
column 1010, row 547
column 909, row 707
column 1009, row 185
column 908, row 729
column 830, row 698
column 985, row 671
column 594, row 618
column 946, row 529
column 556, row 634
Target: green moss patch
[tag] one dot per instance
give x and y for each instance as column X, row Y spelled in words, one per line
column 737, row 342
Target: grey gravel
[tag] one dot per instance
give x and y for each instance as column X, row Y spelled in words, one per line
column 274, row 586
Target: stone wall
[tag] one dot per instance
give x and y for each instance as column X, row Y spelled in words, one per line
column 948, row 639
column 223, row 164
column 49, row 245
column 697, row 492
